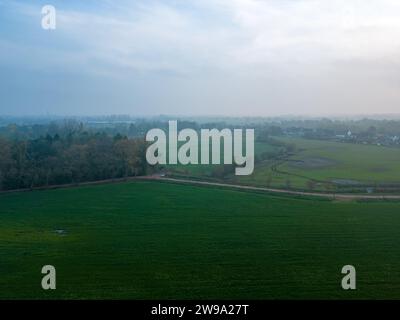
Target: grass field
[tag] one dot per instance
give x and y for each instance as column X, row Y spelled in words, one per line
column 331, row 164
column 157, row 240
column 206, row 171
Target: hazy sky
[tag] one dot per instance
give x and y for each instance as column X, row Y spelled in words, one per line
column 201, row 57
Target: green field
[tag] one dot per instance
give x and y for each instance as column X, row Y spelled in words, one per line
column 314, row 165
column 332, row 165
column 206, row 171
column 152, row 240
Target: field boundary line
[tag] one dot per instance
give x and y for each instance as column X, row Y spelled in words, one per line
column 332, row 196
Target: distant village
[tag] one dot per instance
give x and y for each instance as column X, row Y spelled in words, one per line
column 370, row 136
column 380, row 132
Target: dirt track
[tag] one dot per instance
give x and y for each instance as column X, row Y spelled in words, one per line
column 337, row 196
column 281, row 191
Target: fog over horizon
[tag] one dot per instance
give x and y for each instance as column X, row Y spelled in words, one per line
column 201, row 58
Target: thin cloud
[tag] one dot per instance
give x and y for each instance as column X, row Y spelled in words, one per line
column 239, row 56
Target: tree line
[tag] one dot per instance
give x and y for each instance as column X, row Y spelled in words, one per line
column 72, row 155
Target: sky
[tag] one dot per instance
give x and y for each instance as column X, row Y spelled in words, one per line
column 201, row 57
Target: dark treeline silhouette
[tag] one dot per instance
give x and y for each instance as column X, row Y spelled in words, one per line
column 70, row 155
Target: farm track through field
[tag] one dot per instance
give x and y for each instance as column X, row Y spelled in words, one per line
column 281, row 161
column 281, row 191
column 275, row 168
column 337, row 196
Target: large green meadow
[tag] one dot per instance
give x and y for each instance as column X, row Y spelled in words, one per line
column 319, row 165
column 329, row 165
column 152, row 240
column 345, row 161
